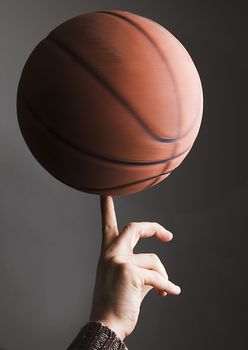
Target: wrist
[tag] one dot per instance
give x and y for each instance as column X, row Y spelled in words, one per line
column 112, row 325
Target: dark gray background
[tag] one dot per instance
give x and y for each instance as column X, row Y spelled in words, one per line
column 50, row 234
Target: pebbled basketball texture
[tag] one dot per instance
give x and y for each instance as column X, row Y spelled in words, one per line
column 109, row 103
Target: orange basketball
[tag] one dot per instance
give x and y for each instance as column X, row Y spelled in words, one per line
column 109, row 103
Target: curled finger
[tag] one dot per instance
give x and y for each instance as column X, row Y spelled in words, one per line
column 156, row 280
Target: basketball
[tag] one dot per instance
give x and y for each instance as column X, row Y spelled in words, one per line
column 109, row 102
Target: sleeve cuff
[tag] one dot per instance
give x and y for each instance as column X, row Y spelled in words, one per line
column 96, row 336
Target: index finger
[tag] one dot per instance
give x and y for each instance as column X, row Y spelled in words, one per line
column 109, row 222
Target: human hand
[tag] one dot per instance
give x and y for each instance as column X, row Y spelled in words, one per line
column 123, row 278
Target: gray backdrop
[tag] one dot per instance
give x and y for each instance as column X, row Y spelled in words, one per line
column 50, row 234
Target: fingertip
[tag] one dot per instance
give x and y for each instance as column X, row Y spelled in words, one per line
column 177, row 290
column 169, row 235
column 173, row 288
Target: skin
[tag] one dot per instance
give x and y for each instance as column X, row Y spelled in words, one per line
column 123, row 278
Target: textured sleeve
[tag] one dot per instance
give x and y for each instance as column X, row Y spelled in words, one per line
column 96, row 336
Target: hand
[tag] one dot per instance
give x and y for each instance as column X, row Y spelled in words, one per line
column 123, row 279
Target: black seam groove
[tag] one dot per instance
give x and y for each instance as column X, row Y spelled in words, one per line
column 148, row 37
column 113, row 92
column 120, row 186
column 134, row 24
column 89, row 153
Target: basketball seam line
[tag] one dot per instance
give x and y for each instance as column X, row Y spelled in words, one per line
column 109, row 88
column 154, row 44
column 120, row 186
column 86, row 152
column 113, row 92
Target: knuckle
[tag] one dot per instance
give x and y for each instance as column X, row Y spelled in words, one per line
column 126, row 270
column 125, row 267
column 155, row 223
column 119, row 260
column 159, row 264
column 131, row 225
column 113, row 259
column 158, row 277
column 128, row 226
column 155, row 258
column 108, row 258
column 106, row 228
column 116, row 264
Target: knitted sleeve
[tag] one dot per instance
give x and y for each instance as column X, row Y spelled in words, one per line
column 96, row 336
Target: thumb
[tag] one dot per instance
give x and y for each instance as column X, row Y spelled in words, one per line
column 109, row 222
